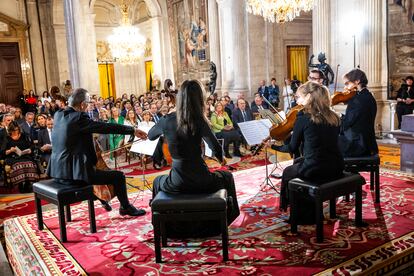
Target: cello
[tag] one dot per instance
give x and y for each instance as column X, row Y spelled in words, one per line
column 102, row 192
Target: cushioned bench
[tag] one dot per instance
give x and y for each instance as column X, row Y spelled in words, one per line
column 62, row 196
column 349, row 183
column 188, row 207
column 366, row 164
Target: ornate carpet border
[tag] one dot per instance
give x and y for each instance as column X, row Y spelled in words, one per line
column 34, row 252
column 390, row 257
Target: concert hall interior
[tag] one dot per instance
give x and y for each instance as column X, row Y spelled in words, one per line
column 206, row 137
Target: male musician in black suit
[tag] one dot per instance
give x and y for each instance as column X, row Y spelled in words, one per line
column 44, row 140
column 241, row 113
column 74, row 158
column 357, row 137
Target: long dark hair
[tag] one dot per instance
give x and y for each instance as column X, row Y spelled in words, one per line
column 190, row 107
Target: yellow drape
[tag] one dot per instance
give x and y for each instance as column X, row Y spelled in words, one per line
column 298, row 62
column 148, row 72
column 106, row 71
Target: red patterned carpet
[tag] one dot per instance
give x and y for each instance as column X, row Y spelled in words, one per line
column 260, row 241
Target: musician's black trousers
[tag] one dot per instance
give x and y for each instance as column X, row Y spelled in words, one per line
column 115, row 178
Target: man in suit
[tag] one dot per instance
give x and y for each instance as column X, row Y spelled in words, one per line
column 45, row 140
column 5, row 122
column 127, row 108
column 92, row 112
column 263, row 90
column 357, row 137
column 258, row 104
column 74, row 158
column 241, row 113
column 28, row 122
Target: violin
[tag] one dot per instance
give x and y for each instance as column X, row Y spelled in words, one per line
column 281, row 131
column 343, row 97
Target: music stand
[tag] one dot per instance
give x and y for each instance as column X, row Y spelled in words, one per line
column 255, row 132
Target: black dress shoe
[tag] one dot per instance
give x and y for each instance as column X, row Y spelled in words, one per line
column 131, row 211
column 106, row 205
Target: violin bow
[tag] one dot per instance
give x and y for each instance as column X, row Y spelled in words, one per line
column 336, row 77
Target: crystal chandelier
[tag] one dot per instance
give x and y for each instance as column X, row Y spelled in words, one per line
column 278, row 11
column 126, row 42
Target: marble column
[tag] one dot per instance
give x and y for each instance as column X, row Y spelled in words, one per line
column 321, row 22
column 81, row 43
column 156, row 43
column 214, row 39
column 69, row 12
column 233, row 46
column 38, row 59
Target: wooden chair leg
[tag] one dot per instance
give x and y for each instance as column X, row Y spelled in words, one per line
column 224, row 236
column 92, row 220
column 39, row 213
column 358, row 206
column 157, row 239
column 319, row 219
column 62, row 224
column 332, row 208
column 68, row 214
column 293, row 212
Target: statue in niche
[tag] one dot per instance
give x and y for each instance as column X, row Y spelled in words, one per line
column 324, row 67
column 213, row 78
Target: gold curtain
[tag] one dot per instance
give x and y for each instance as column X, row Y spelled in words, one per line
column 107, row 74
column 148, row 74
column 298, row 62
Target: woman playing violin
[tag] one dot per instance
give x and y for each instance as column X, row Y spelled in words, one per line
column 184, row 130
column 357, row 137
column 317, row 127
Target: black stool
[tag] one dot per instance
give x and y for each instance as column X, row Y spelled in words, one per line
column 366, row 164
column 188, row 207
column 62, row 196
column 350, row 183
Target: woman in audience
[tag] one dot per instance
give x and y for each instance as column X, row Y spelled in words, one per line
column 115, row 140
column 45, row 97
column 31, row 100
column 184, row 131
column 223, row 128
column 40, row 123
column 130, row 120
column 146, row 122
column 23, row 169
column 18, row 117
column 48, row 109
column 317, row 128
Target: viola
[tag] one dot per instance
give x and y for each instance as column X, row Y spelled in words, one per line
column 281, row 131
column 343, row 97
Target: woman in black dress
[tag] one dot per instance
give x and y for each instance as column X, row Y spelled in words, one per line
column 19, row 157
column 317, row 128
column 184, row 130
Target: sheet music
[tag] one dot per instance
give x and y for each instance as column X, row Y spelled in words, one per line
column 255, row 131
column 207, row 150
column 146, row 146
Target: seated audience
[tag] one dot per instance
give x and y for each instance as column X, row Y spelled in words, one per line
column 405, row 99
column 19, row 156
column 45, row 141
column 223, row 129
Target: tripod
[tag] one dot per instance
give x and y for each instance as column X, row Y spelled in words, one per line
column 276, row 165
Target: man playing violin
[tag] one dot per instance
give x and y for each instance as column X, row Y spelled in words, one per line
column 357, row 136
column 73, row 158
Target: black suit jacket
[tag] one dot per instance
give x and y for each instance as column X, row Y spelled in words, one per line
column 358, row 126
column 26, row 128
column 73, row 156
column 43, row 138
column 255, row 109
column 237, row 116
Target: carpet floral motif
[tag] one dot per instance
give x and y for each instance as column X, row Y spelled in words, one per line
column 260, row 239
